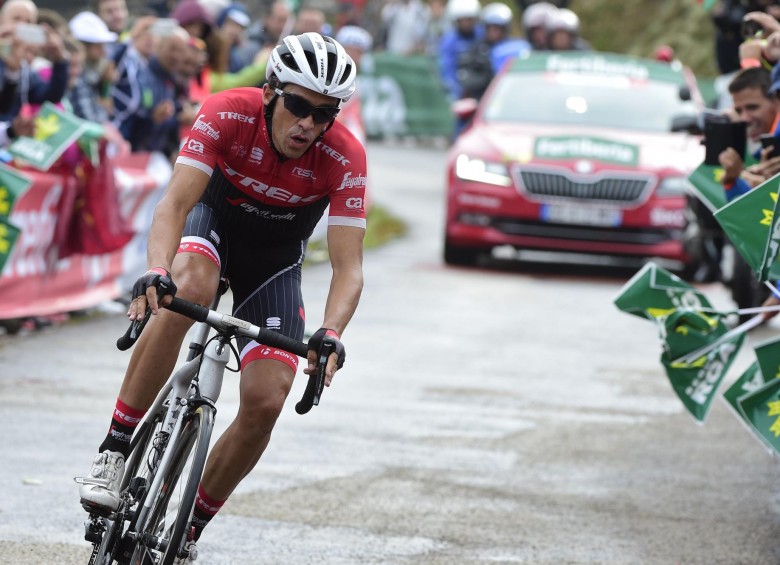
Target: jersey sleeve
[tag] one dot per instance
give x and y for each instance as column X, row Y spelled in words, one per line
column 208, row 135
column 348, row 192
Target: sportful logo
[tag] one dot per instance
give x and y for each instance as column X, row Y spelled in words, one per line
column 256, row 155
column 236, row 116
column 273, row 323
column 205, row 127
column 351, row 182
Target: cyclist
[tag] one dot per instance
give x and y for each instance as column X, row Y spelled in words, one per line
column 258, row 170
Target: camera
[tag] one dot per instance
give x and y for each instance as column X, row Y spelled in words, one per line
column 750, row 29
column 769, row 140
column 719, row 134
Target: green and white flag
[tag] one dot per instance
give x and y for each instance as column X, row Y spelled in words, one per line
column 8, row 235
column 748, row 222
column 55, row 131
column 654, row 293
column 12, row 185
column 762, row 410
column 696, row 382
column 706, row 182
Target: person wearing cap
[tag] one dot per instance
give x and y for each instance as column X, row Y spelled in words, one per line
column 232, row 23
column 89, row 95
column 465, row 33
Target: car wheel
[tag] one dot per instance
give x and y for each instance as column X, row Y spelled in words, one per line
column 459, row 255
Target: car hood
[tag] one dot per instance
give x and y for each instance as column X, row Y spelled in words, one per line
column 602, row 148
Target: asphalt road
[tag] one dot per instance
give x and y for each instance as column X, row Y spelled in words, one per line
column 484, row 416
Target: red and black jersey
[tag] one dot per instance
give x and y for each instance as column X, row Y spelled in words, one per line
column 261, row 197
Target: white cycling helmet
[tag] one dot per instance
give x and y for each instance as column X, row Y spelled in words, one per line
column 355, row 36
column 316, row 62
column 459, row 9
column 563, row 19
column 536, row 14
column 497, row 14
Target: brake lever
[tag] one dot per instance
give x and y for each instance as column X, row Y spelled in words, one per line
column 315, row 386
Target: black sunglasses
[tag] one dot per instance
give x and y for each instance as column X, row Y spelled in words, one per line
column 299, row 107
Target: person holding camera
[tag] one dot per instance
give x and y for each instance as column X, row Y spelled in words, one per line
column 755, row 102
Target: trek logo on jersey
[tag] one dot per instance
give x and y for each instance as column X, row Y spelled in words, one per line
column 333, row 153
column 236, row 116
column 256, row 155
column 274, row 192
column 351, row 182
column 303, row 173
column 205, row 127
column 354, row 203
column 195, row 146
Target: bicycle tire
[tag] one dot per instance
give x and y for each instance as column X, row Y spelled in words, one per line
column 140, row 451
column 190, row 453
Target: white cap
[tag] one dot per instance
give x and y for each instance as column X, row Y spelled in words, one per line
column 89, row 28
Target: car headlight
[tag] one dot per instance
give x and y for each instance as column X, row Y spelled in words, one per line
column 674, row 186
column 479, row 170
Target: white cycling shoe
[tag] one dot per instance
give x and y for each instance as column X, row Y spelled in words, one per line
column 100, row 489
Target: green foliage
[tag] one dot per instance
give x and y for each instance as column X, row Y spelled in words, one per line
column 638, row 27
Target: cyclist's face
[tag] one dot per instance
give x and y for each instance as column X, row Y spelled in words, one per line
column 292, row 136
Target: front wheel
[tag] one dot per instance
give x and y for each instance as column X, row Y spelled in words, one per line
column 171, row 511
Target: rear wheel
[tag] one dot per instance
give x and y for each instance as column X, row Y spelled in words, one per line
column 171, row 511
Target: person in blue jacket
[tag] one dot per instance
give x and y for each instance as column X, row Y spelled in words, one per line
column 466, row 31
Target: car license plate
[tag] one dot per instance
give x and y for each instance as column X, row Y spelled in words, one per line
column 581, row 215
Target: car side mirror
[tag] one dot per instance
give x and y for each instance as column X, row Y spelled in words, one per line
column 686, row 123
column 465, row 108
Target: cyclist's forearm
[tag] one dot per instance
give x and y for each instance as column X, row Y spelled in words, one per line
column 343, row 297
column 164, row 236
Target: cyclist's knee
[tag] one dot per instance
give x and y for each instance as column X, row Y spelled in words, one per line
column 262, row 402
column 196, row 278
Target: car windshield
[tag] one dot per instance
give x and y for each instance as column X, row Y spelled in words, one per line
column 580, row 99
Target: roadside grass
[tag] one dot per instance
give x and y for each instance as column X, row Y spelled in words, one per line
column 381, row 228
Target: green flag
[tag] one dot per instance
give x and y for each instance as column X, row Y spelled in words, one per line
column 747, row 222
column 55, row 131
column 654, row 293
column 765, row 368
column 749, row 381
column 89, row 141
column 768, row 356
column 12, row 185
column 8, row 235
column 697, row 382
column 762, row 409
column 706, row 181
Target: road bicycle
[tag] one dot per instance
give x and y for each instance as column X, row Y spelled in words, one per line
column 170, row 445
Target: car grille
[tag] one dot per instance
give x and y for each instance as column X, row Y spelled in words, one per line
column 549, row 184
column 640, row 236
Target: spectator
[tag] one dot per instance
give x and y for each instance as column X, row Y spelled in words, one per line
column 497, row 19
column 310, row 18
column 55, row 21
column 214, row 7
column 215, row 73
column 356, row 42
column 268, row 31
column 535, row 24
column 153, row 125
column 406, row 25
column 89, row 95
column 437, row 25
column 21, row 86
column 563, row 32
column 232, row 22
column 465, row 33
column 114, row 14
column 755, row 101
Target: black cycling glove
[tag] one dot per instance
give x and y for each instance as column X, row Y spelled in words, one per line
column 325, row 336
column 158, row 278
